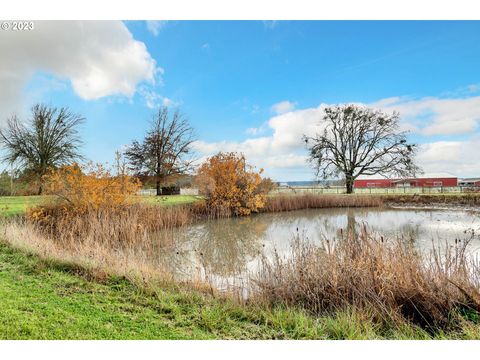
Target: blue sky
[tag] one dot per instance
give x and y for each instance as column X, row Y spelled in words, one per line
column 254, row 86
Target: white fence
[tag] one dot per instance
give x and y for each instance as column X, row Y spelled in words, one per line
column 153, row 192
column 189, row 191
column 147, row 192
column 391, row 190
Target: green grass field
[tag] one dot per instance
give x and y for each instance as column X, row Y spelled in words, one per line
column 15, row 205
column 170, row 199
column 50, row 300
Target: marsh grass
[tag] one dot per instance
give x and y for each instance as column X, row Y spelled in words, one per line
column 311, row 201
column 455, row 199
column 391, row 280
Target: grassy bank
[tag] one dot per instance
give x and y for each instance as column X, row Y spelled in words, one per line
column 50, row 300
column 45, row 299
column 17, row 205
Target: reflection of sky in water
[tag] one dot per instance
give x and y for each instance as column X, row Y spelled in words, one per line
column 227, row 249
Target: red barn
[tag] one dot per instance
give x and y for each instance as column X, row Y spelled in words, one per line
column 430, row 180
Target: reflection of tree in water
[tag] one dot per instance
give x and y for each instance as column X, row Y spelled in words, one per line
column 225, row 246
column 405, row 231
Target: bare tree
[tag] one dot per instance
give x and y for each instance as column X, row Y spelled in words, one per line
column 165, row 150
column 360, row 141
column 48, row 140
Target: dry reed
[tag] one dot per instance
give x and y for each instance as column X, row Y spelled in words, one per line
column 391, row 280
column 121, row 241
column 466, row 199
column 311, row 201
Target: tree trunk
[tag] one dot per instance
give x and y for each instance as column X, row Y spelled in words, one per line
column 349, row 187
column 40, row 188
column 349, row 181
column 159, row 189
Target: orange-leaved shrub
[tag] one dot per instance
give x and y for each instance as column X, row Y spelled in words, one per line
column 229, row 183
column 80, row 189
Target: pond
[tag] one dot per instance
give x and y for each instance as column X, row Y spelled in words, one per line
column 225, row 251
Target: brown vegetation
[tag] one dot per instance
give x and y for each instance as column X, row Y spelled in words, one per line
column 471, row 199
column 390, row 280
column 229, row 183
column 124, row 240
column 78, row 190
column 311, row 201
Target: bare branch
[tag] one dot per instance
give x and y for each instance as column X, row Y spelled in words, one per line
column 166, row 148
column 360, row 141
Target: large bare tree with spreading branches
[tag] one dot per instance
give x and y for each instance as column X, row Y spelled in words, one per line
column 47, row 140
column 360, row 141
column 166, row 149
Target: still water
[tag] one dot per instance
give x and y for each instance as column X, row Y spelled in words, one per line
column 225, row 251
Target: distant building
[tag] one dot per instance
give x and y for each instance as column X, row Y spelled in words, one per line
column 469, row 182
column 427, row 180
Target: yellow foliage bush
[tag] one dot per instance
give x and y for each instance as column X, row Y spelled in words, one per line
column 228, row 182
column 91, row 187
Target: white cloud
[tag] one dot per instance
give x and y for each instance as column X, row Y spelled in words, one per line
column 436, row 116
column 167, row 102
column 155, row 26
column 252, row 131
column 457, row 157
column 283, row 153
column 153, row 99
column 98, row 58
column 283, row 149
column 205, row 46
column 282, row 107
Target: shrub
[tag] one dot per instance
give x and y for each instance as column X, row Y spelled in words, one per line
column 90, row 188
column 229, row 183
column 266, row 186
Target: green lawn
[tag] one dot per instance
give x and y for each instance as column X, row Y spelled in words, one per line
column 49, row 300
column 171, row 199
column 14, row 205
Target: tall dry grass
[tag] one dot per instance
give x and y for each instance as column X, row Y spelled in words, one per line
column 122, row 222
column 390, row 279
column 311, row 201
column 134, row 240
column 123, row 241
column 465, row 199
